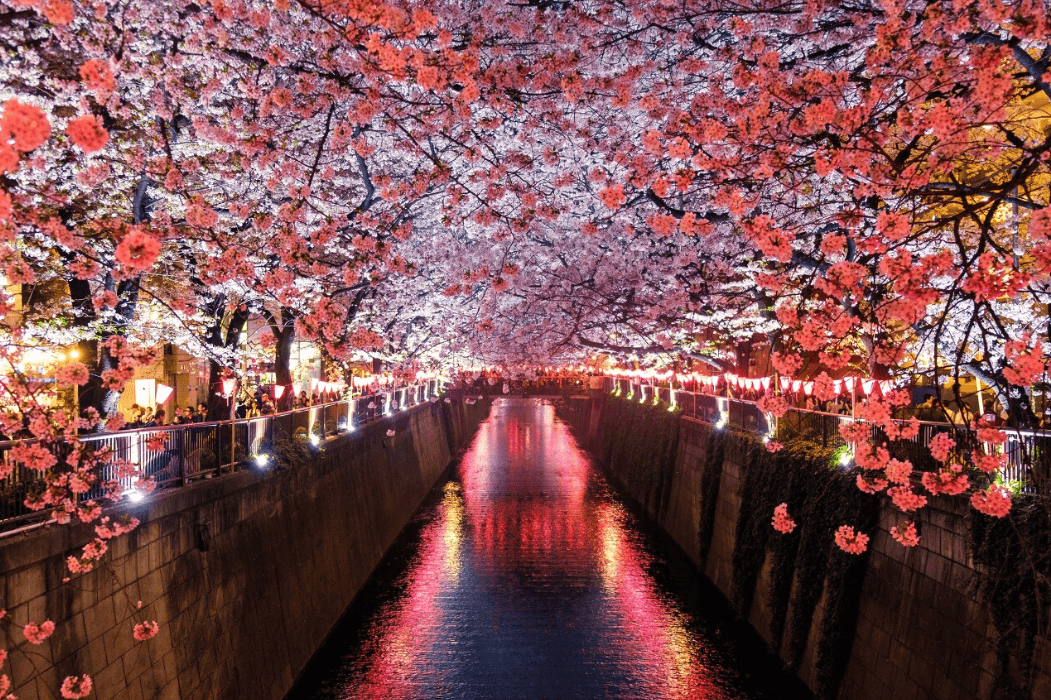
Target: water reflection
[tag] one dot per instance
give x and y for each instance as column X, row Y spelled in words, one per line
column 527, row 578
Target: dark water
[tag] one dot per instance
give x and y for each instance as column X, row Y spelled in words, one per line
column 525, row 576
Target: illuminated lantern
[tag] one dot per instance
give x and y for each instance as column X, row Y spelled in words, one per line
column 808, row 388
column 765, row 381
column 164, row 392
column 867, row 385
column 313, row 385
column 796, row 384
column 228, row 386
column 885, row 386
column 279, row 391
column 849, row 382
column 837, row 386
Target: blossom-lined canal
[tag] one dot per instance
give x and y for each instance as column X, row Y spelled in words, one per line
column 525, row 576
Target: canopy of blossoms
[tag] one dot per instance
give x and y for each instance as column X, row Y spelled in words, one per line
column 863, row 186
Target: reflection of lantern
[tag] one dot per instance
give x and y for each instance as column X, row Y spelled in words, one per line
column 279, row 391
column 164, row 392
column 228, row 386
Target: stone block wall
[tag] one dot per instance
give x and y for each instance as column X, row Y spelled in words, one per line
column 921, row 630
column 246, row 573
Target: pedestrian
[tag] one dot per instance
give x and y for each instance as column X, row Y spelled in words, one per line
column 202, row 413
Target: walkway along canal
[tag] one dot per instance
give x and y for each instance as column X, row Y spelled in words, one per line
column 526, row 576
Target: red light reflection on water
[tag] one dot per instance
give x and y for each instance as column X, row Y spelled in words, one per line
column 524, row 513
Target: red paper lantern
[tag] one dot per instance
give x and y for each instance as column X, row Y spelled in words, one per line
column 164, row 393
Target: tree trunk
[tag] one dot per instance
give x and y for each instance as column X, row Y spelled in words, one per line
column 285, row 335
column 218, row 404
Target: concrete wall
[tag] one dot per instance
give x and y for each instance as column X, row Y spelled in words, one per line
column 921, row 631
column 246, row 573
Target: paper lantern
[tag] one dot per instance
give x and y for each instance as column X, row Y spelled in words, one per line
column 867, row 385
column 808, row 388
column 279, row 391
column 837, row 386
column 886, row 386
column 796, row 385
column 849, row 383
column 765, row 381
column 228, row 386
column 313, row 385
column 164, row 392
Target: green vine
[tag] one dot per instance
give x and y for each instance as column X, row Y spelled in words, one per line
column 644, row 457
column 805, row 563
column 1013, row 558
column 714, row 442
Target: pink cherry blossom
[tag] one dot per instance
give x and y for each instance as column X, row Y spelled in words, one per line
column 36, row 634
column 74, row 687
column 782, row 522
column 994, row 501
column 145, row 630
column 905, row 533
column 850, row 541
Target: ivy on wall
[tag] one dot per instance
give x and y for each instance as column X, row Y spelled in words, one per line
column 1013, row 558
column 805, row 565
column 714, row 442
column 643, row 455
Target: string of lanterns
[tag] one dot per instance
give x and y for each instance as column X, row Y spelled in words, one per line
column 788, row 386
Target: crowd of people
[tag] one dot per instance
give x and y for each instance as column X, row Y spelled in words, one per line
column 249, row 405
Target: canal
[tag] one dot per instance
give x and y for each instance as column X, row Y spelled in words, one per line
column 525, row 575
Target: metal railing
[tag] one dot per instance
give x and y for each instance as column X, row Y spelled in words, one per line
column 174, row 455
column 1028, row 452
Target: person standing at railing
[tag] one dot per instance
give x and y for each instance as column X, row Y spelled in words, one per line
column 156, row 420
column 202, row 413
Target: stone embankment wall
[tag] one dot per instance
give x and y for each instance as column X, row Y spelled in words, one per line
column 919, row 629
column 246, row 573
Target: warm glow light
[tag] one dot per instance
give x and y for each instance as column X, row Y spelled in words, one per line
column 228, row 386
column 279, row 391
